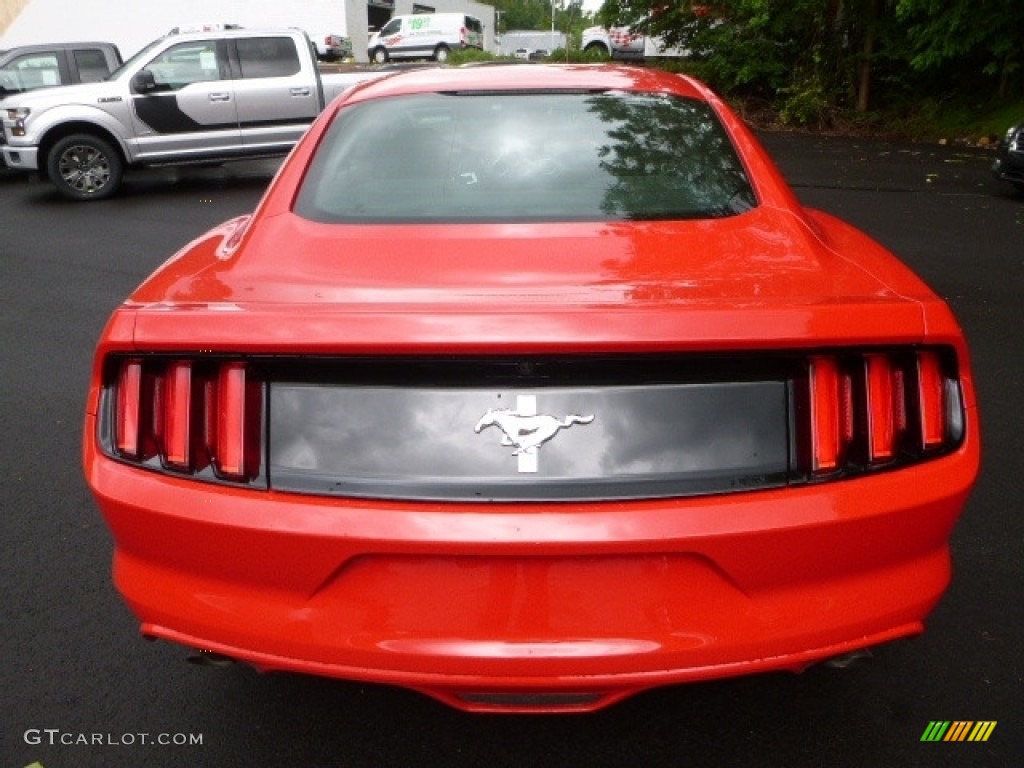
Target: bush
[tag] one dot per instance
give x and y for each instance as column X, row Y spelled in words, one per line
column 472, row 56
column 804, row 104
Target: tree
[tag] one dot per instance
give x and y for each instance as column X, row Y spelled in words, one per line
column 809, row 57
column 524, row 14
column 801, row 50
column 965, row 33
column 536, row 14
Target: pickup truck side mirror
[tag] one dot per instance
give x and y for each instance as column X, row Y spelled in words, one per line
column 143, row 82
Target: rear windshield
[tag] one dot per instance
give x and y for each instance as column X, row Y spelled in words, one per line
column 524, row 157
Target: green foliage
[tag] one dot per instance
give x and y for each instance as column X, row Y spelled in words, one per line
column 471, row 56
column 986, row 36
column 812, row 58
column 536, row 14
column 954, row 118
column 524, row 14
column 804, row 105
column 577, row 56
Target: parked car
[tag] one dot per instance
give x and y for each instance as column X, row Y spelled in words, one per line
column 30, row 67
column 531, row 388
column 624, row 44
column 333, row 47
column 425, row 36
column 1009, row 163
column 214, row 95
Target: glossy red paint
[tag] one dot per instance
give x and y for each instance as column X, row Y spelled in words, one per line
column 539, row 607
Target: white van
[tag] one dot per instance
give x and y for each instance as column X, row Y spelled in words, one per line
column 425, row 36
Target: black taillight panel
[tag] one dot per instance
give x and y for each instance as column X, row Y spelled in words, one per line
column 811, row 416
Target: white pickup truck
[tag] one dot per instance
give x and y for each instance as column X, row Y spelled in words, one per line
column 195, row 97
column 621, row 43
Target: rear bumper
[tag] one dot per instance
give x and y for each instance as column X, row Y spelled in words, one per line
column 534, row 607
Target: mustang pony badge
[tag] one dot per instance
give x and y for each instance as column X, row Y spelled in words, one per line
column 526, row 429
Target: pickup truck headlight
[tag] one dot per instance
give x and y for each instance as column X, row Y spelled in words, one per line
column 17, row 115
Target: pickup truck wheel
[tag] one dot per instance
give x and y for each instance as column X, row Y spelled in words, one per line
column 598, row 50
column 84, row 167
column 441, row 54
column 380, row 56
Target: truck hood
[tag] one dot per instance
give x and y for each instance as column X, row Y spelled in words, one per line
column 83, row 93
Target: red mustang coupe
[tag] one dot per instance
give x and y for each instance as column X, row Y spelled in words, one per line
column 531, row 388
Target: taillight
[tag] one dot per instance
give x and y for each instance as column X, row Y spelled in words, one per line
column 886, row 409
column 127, row 425
column 177, row 414
column 831, row 414
column 875, row 409
column 237, row 420
column 931, row 391
column 199, row 418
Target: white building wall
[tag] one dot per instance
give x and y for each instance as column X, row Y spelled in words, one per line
column 131, row 24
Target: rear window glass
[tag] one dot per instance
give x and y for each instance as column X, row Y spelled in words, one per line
column 92, row 64
column 268, row 57
column 522, row 157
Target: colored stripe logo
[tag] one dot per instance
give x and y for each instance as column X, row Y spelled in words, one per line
column 958, row 730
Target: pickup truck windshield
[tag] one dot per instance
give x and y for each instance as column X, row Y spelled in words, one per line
column 524, row 157
column 133, row 63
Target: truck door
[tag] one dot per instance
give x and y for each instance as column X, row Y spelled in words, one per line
column 189, row 105
column 277, row 97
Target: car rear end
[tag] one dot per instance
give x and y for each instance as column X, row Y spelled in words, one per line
column 531, row 463
column 331, row 47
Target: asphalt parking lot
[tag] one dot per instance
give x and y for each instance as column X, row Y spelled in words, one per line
column 79, row 688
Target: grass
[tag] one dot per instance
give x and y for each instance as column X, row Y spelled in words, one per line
column 957, row 119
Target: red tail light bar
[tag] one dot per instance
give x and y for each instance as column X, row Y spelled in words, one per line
column 193, row 417
column 237, row 426
column 831, row 413
column 128, row 432
column 932, row 388
column 851, row 412
column 177, row 416
column 873, row 409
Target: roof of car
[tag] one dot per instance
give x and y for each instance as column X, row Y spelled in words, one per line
column 518, row 78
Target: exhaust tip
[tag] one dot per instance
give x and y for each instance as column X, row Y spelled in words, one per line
column 847, row 660
column 206, row 658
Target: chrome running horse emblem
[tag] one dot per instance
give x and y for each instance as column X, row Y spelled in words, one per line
column 525, row 429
